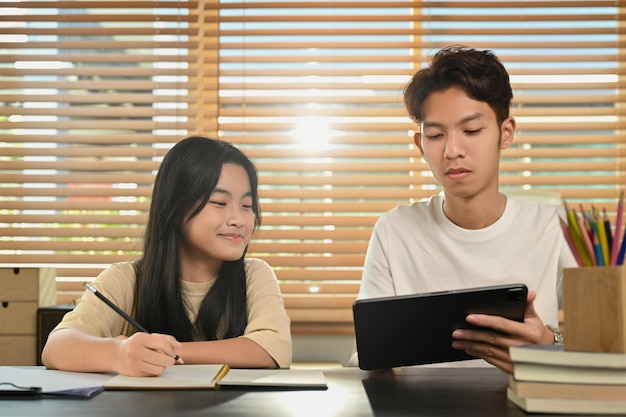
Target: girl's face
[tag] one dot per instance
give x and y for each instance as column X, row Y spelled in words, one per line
column 222, row 230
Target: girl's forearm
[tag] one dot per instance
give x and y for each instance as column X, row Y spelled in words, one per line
column 238, row 352
column 73, row 350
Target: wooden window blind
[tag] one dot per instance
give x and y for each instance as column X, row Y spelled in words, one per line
column 94, row 93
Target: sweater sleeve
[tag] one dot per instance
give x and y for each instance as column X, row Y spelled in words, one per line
column 91, row 315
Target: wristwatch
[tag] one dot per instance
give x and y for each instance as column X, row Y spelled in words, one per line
column 558, row 336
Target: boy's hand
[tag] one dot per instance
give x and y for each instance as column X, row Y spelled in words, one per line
column 492, row 343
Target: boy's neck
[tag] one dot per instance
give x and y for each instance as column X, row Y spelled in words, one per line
column 476, row 212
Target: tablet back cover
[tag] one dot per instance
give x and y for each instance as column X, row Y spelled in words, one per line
column 417, row 329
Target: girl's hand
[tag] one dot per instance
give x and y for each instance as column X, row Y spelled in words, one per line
column 144, row 354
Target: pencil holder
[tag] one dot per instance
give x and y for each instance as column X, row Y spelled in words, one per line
column 594, row 309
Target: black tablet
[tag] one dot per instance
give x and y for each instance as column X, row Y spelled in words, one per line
column 417, row 329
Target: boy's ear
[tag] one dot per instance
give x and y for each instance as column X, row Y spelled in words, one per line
column 417, row 138
column 507, row 132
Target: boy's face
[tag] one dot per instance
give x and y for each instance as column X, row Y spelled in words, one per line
column 461, row 141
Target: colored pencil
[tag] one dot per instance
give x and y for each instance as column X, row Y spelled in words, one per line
column 598, row 249
column 615, row 249
column 582, row 224
column 568, row 238
column 571, row 220
column 602, row 238
column 576, row 236
column 591, row 237
column 622, row 251
column 609, row 233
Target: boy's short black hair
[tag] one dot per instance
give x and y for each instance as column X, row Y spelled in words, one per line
column 479, row 73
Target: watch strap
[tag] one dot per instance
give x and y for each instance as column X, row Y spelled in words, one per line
column 558, row 336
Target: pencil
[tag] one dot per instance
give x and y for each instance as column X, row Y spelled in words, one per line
column 119, row 311
column 609, row 234
column 622, row 251
column 571, row 220
column 570, row 242
column 576, row 236
column 618, row 228
column 604, row 243
column 116, row 308
column 596, row 245
column 582, row 224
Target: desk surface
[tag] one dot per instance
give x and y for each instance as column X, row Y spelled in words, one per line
column 351, row 392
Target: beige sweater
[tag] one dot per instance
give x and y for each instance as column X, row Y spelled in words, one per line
column 268, row 322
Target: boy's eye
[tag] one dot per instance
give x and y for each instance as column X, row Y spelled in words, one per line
column 434, row 136
column 473, row 131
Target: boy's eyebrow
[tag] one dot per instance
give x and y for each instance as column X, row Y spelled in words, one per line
column 469, row 118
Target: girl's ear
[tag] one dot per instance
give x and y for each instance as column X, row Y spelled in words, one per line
column 507, row 132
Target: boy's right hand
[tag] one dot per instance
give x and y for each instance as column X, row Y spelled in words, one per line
column 145, row 354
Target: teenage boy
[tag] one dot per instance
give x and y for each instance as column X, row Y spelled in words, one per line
column 471, row 235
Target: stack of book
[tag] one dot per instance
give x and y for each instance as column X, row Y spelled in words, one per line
column 549, row 379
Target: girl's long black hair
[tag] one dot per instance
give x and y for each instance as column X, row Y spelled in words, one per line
column 186, row 178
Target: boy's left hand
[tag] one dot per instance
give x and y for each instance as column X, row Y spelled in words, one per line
column 492, row 343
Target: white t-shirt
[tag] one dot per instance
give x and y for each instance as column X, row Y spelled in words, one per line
column 416, row 248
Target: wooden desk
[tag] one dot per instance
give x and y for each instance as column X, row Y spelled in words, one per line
column 467, row 392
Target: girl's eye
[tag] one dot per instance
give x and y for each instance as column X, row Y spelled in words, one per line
column 217, row 203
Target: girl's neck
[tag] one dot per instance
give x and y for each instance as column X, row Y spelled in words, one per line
column 198, row 272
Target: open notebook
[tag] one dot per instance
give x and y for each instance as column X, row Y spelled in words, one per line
column 215, row 376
